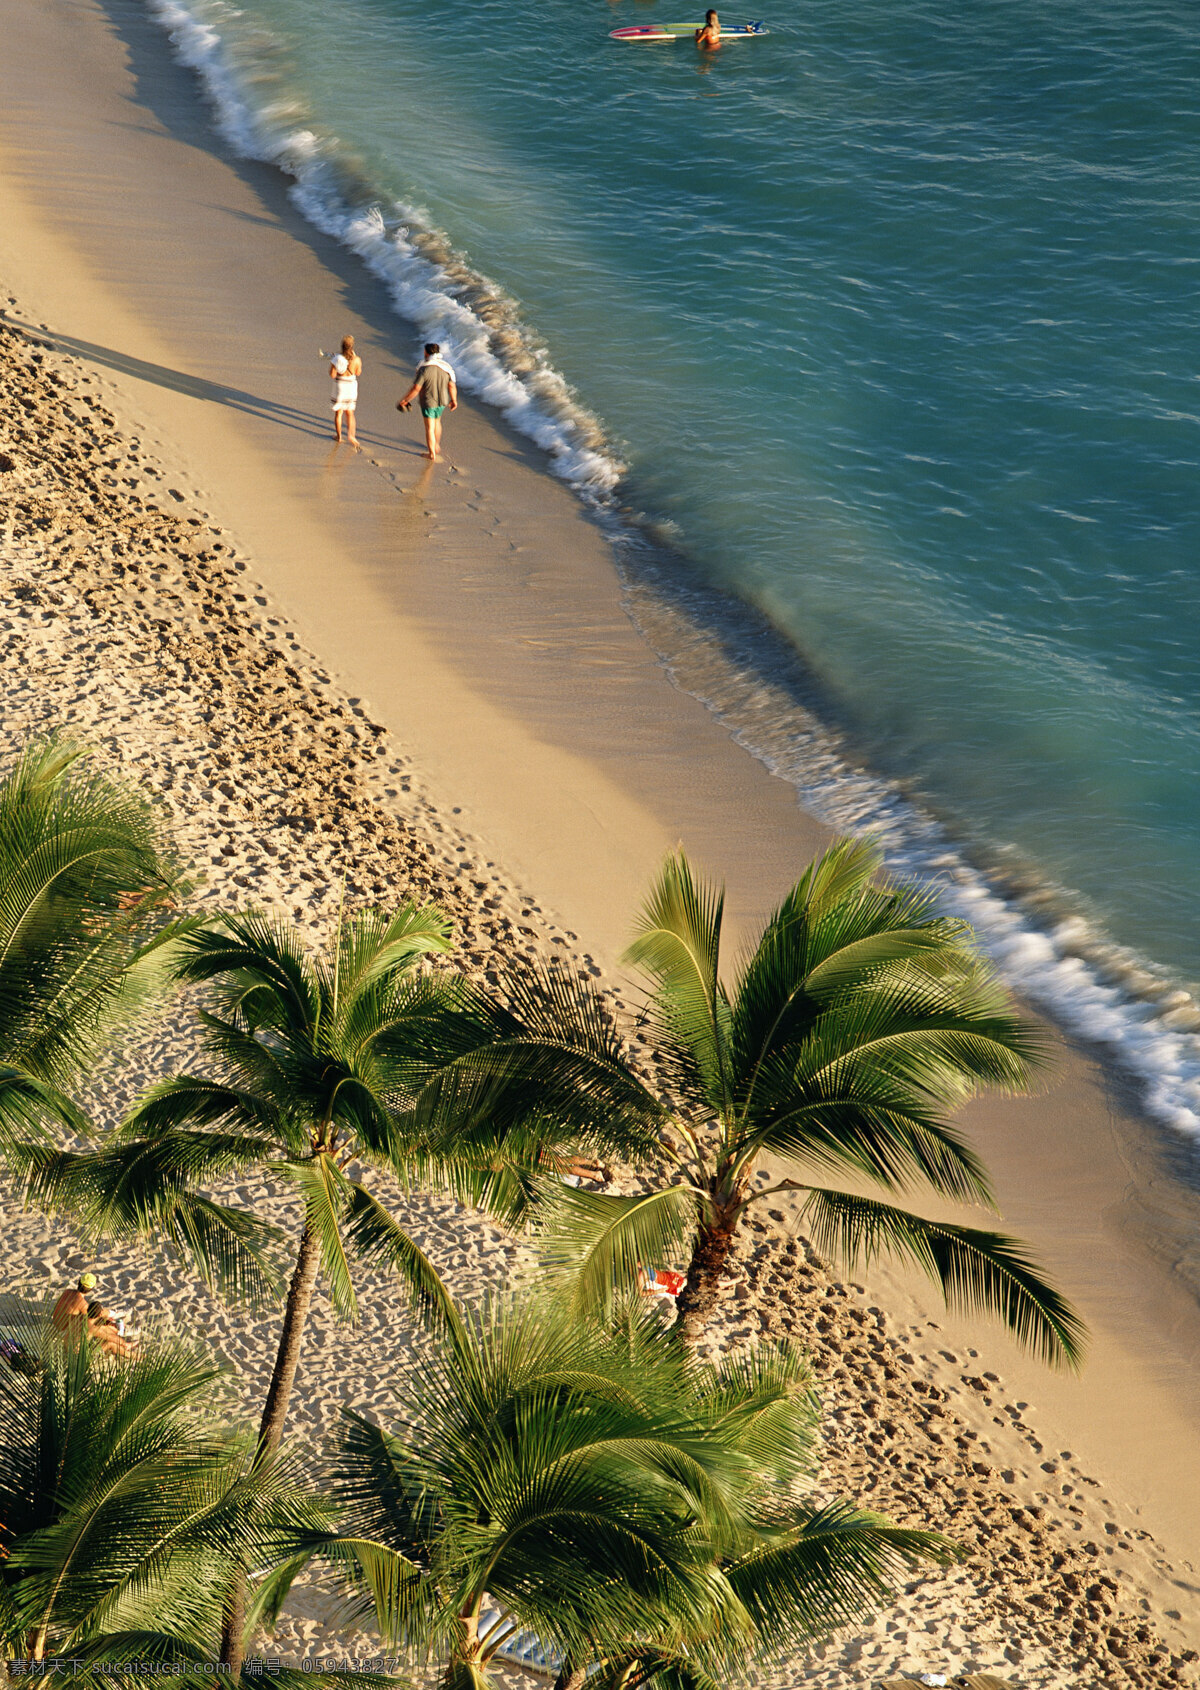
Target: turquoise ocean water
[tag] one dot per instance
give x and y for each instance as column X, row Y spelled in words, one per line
column 889, row 321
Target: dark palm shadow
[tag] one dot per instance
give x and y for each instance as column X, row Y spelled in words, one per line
column 24, row 1314
column 178, row 381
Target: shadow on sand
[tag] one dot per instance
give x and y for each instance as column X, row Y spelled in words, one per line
column 177, row 381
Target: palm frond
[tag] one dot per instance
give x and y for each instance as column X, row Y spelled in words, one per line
column 840, row 1561
column 603, row 1241
column 655, row 1667
column 401, row 1601
column 949, row 1031
column 376, row 1238
column 603, row 1488
column 678, row 944
column 845, row 939
column 840, row 874
column 890, row 1059
column 126, row 1188
column 466, row 1675
column 259, row 968
column 191, row 1100
column 69, row 844
column 226, row 1247
column 373, row 946
column 127, row 1503
column 339, row 1678
column 838, row 1114
column 763, row 1398
column 979, row 1272
column 548, row 1065
column 269, row 1594
column 84, row 880
column 141, row 1192
column 28, row 1104
column 108, row 992
column 326, row 1193
column 817, row 934
column 382, row 1489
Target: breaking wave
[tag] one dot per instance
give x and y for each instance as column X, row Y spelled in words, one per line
column 714, row 649
column 430, row 284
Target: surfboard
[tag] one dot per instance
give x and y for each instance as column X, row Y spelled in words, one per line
column 682, row 31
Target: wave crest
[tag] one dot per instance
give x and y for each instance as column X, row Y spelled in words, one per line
column 714, row 649
column 430, row 284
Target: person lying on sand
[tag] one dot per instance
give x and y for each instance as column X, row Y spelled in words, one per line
column 74, row 1315
column 107, row 1332
column 581, row 1168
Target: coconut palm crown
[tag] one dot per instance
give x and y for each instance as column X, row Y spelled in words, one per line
column 633, row 1508
column 323, row 1067
column 85, row 880
column 125, row 1501
column 858, row 1021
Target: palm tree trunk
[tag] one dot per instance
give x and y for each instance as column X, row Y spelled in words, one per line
column 270, row 1432
column 457, row 1675
column 233, row 1628
column 699, row 1295
column 570, row 1678
column 287, row 1359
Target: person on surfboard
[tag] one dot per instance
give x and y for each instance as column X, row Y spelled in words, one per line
column 708, row 38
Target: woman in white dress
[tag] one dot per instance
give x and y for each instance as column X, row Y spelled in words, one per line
column 345, row 369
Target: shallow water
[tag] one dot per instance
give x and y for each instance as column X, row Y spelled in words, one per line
column 889, row 316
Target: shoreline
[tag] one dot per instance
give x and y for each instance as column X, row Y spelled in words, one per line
column 230, row 733
column 1141, row 1022
column 274, row 782
column 480, row 592
column 722, row 651
column 588, row 818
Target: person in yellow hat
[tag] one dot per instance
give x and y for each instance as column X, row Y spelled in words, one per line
column 70, row 1315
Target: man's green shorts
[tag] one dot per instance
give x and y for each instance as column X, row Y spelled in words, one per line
column 432, row 410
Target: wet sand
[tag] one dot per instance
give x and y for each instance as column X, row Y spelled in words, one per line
column 330, row 663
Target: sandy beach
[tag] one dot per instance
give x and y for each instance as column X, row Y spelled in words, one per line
column 427, row 681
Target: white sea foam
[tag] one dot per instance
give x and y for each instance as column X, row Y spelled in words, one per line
column 1108, row 998
column 431, row 286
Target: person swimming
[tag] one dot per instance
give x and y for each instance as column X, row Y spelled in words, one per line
column 708, row 38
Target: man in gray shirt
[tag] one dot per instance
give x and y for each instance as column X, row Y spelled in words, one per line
column 435, row 383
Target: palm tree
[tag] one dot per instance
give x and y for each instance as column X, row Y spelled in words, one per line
column 124, row 1504
column 633, row 1508
column 855, row 1023
column 320, row 1063
column 85, row 879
